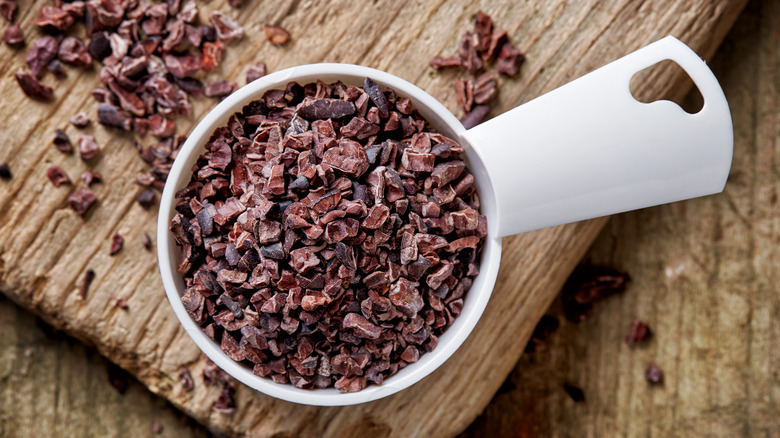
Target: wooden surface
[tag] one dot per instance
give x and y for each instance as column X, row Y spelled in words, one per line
column 705, row 278
column 54, row 386
column 45, row 247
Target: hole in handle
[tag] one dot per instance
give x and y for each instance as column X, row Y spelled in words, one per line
column 675, row 86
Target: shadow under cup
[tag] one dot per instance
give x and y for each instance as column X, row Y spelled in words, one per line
column 440, row 119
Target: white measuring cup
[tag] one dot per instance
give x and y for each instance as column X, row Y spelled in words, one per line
column 584, row 150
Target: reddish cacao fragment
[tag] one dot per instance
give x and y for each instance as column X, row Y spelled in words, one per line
column 276, row 34
column 32, row 87
column 12, row 35
column 5, row 171
column 57, row 176
column 62, row 142
column 654, row 375
column 227, row 28
column 79, row 120
column 81, row 199
column 116, row 243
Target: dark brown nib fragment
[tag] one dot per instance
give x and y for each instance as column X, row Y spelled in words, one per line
column 638, row 333
column 90, row 178
column 654, row 375
column 5, row 171
column 32, row 87
column 118, row 378
column 185, row 379
column 587, row 285
column 255, row 72
column 575, row 392
column 116, row 243
column 57, row 176
column 88, row 147
column 328, row 236
column 121, row 303
column 147, row 242
column 80, row 120
column 62, row 142
column 81, row 199
column 146, row 199
column 276, row 34
column 13, row 35
column 88, row 277
column 546, row 326
column 477, row 115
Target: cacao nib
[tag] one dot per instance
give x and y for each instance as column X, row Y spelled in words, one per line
column 111, row 115
column 575, row 392
column 81, row 199
column 80, row 120
column 89, row 276
column 5, row 171
column 317, row 250
column 62, row 142
column 73, row 51
column 8, row 9
column 276, row 34
column 90, row 178
column 12, row 35
column 185, row 379
column 88, row 147
column 43, row 50
column 509, row 60
column 477, row 115
column 116, row 243
column 32, row 87
column 226, row 27
column 255, row 72
column 57, row 176
column 219, row 89
column 654, row 375
column 445, row 62
column 588, row 285
column 146, row 199
column 638, row 333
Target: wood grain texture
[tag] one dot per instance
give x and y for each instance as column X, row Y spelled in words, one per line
column 53, row 386
column 45, row 248
column 705, row 275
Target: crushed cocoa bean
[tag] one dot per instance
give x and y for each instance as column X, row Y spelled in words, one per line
column 80, row 120
column 5, row 171
column 88, row 277
column 255, row 72
column 12, row 35
column 32, row 87
column 575, row 392
column 587, row 285
column 638, row 333
column 276, row 34
column 57, row 176
column 62, row 142
column 89, row 177
column 81, row 199
column 654, row 375
column 116, row 243
column 321, row 248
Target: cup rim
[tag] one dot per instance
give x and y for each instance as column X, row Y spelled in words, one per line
column 474, row 303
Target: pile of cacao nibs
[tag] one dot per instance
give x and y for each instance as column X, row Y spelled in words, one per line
column 153, row 57
column 328, row 236
column 478, row 49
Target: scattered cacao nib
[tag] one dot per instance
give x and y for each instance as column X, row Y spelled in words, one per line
column 212, row 55
column 157, row 427
column 146, row 199
column 81, row 199
column 62, row 142
column 255, row 72
column 638, row 333
column 587, row 285
column 5, row 171
column 89, row 177
column 118, row 378
column 276, row 34
column 73, row 51
column 509, row 60
column 477, row 115
column 654, row 375
column 444, row 62
column 226, row 403
column 80, row 120
column 8, row 9
column 235, row 3
column 116, row 243
column 88, row 147
column 55, row 18
column 111, row 115
column 12, row 35
column 57, row 176
column 185, row 378
column 546, row 326
column 121, row 303
column 321, row 250
column 99, row 46
column 226, row 27
column 43, row 50
column 88, row 277
column 32, row 87
column 147, row 241
column 219, row 89
column 575, row 392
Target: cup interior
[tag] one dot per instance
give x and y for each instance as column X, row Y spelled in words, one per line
column 442, row 120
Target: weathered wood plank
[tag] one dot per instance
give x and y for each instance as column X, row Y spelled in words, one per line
column 53, row 386
column 705, row 277
column 45, row 248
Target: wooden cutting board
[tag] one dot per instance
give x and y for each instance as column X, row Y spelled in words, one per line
column 45, row 248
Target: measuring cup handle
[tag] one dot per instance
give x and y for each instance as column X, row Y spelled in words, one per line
column 589, row 149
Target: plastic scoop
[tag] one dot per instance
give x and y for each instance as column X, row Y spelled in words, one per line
column 584, row 150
